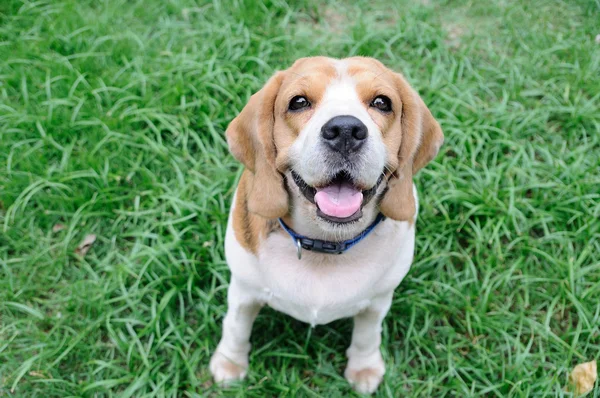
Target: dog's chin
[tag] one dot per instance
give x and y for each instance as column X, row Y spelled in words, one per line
column 339, row 201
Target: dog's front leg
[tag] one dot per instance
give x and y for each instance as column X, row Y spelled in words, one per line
column 230, row 360
column 365, row 367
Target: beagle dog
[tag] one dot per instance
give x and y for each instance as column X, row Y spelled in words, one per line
column 322, row 225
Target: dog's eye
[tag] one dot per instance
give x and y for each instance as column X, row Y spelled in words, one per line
column 298, row 102
column 383, row 103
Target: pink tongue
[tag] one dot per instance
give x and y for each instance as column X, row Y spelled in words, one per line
column 339, row 200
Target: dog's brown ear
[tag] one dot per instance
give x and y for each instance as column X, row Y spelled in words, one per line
column 420, row 140
column 251, row 141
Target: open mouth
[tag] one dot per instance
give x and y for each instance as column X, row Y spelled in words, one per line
column 340, row 200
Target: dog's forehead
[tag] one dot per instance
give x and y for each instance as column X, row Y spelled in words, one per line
column 314, row 66
column 327, row 70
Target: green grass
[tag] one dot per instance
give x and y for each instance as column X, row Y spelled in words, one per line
column 111, row 122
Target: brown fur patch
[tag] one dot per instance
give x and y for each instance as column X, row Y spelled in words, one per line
column 420, row 138
column 250, row 138
column 249, row 228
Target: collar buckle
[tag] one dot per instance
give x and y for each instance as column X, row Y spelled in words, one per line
column 323, row 246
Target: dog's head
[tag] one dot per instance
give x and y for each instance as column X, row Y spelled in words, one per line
column 333, row 142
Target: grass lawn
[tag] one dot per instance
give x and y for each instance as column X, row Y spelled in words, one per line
column 112, row 116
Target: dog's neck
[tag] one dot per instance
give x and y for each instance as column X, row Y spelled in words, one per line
column 328, row 247
column 310, row 226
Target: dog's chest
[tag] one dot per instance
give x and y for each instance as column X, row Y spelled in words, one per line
column 321, row 288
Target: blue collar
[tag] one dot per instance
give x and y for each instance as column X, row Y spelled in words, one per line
column 324, row 246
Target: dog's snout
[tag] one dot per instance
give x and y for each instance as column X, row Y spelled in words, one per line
column 344, row 133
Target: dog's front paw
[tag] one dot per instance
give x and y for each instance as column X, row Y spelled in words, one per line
column 364, row 381
column 366, row 375
column 224, row 370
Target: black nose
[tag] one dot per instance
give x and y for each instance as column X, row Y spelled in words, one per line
column 344, row 133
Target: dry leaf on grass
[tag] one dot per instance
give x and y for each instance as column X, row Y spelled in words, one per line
column 583, row 377
column 58, row 227
column 85, row 245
